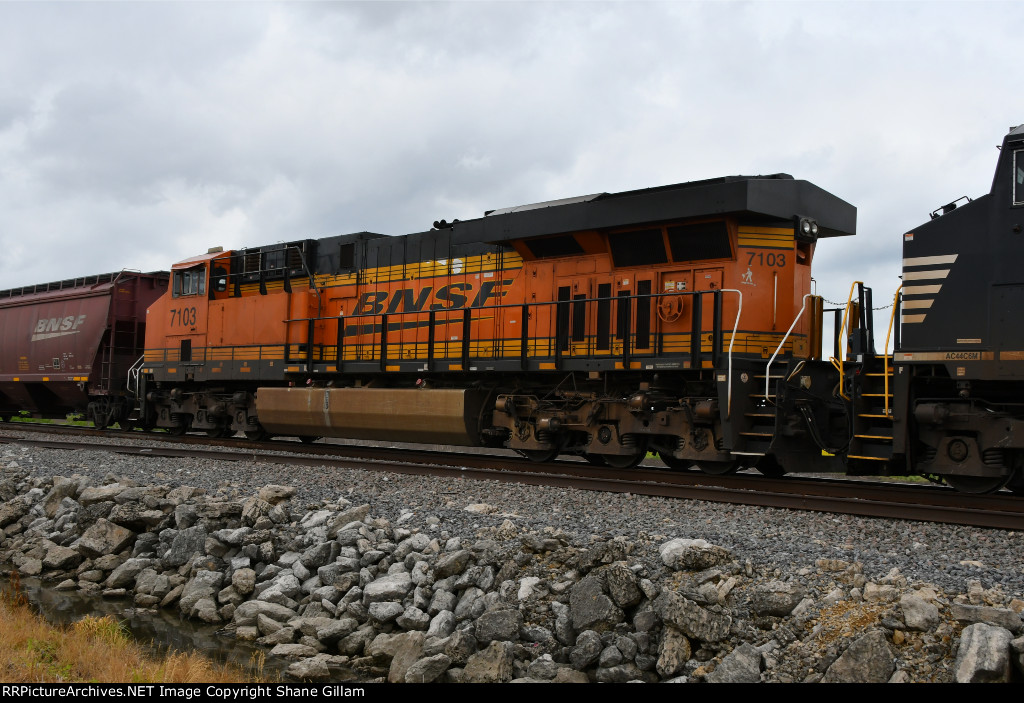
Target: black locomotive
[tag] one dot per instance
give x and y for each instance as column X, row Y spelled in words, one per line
column 948, row 403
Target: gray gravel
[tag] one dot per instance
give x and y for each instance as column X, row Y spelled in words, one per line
column 947, row 556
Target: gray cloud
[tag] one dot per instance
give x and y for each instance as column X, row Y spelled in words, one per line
column 137, row 134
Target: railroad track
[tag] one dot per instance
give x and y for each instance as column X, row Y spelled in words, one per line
column 830, row 495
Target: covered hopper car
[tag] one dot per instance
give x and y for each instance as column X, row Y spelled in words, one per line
column 67, row 346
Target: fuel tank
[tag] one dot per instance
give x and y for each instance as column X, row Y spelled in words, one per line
column 430, row 416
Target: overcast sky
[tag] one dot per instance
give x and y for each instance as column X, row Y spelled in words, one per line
column 136, row 134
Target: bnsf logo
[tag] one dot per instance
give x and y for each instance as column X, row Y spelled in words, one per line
column 448, row 297
column 48, row 328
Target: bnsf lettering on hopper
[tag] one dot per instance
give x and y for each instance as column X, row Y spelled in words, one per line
column 54, row 327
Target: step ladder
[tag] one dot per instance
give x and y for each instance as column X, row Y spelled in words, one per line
column 872, row 403
column 760, row 416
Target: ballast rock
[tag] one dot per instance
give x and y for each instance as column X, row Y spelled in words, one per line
column 502, row 602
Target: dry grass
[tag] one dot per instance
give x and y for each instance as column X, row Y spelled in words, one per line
column 94, row 650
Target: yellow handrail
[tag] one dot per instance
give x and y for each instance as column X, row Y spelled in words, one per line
column 838, row 363
column 885, row 349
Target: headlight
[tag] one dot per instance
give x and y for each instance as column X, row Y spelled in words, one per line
column 805, row 229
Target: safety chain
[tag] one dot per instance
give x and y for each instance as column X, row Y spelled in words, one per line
column 839, row 305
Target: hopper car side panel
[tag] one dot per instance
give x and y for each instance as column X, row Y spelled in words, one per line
column 69, row 344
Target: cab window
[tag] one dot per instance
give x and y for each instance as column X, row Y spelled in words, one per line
column 189, row 282
column 1018, row 177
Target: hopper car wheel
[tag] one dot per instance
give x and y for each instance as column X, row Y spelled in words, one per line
column 977, row 485
column 594, row 459
column 177, row 430
column 220, row 433
column 673, row 463
column 308, row 438
column 257, row 435
column 126, row 425
column 717, row 468
column 100, row 420
column 627, row 461
column 539, row 456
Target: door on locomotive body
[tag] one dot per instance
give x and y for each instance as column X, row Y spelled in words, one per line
column 220, row 276
column 674, row 307
column 454, row 294
column 707, row 280
column 635, row 311
column 188, row 313
column 606, row 315
column 602, row 317
column 571, row 329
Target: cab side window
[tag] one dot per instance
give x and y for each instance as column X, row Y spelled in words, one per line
column 1018, row 177
column 189, row 282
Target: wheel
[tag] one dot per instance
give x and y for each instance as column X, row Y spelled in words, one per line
column 100, row 419
column 177, row 430
column 673, row 463
column 309, row 439
column 257, row 435
column 977, row 484
column 717, row 468
column 126, row 425
column 594, row 459
column 624, row 461
column 539, row 456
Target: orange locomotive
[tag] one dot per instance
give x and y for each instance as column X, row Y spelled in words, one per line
column 606, row 325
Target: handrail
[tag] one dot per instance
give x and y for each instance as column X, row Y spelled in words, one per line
column 885, row 349
column 133, row 376
column 838, row 363
column 768, row 368
column 732, row 339
column 697, row 295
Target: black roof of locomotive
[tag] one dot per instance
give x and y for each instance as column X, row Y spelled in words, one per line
column 774, row 197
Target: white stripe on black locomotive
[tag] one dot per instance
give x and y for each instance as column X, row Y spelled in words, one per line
column 922, row 280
